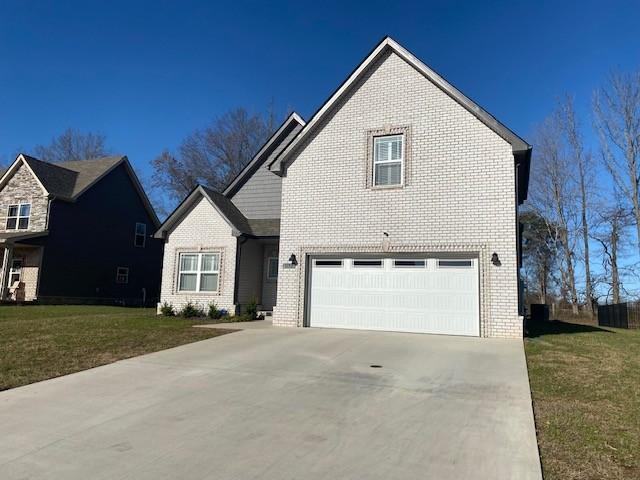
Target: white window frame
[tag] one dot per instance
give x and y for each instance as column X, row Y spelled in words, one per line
column 143, row 235
column 15, row 270
column 199, row 272
column 17, row 216
column 122, row 272
column 269, row 260
column 389, row 160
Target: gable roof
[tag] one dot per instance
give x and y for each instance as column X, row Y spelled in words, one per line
column 68, row 180
column 272, row 147
column 239, row 224
column 521, row 149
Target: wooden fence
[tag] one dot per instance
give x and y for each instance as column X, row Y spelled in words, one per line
column 619, row 315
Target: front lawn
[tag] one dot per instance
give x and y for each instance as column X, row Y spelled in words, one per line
column 40, row 342
column 585, row 383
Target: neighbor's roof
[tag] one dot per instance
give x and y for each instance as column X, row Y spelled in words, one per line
column 239, row 224
column 68, row 180
column 12, row 237
column 521, row 149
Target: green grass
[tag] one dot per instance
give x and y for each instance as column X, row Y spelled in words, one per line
column 40, row 342
column 585, row 383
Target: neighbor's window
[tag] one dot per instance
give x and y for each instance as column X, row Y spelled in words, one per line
column 141, row 234
column 272, row 270
column 388, row 157
column 199, row 272
column 18, row 216
column 122, row 275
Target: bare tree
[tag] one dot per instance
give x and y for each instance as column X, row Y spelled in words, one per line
column 614, row 221
column 617, row 120
column 73, row 145
column 212, row 156
column 583, row 179
column 553, row 198
column 539, row 254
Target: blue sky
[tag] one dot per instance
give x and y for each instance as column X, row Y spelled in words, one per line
column 146, row 74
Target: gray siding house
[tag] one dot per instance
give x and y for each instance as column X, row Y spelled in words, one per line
column 77, row 232
column 394, row 208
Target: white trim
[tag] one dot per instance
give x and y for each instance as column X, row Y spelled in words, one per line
column 293, row 117
column 388, row 160
column 17, row 216
column 198, row 272
column 485, row 117
column 12, row 169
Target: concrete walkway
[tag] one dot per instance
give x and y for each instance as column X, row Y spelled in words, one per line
column 273, row 403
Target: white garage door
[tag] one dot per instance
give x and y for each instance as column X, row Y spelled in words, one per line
column 426, row 295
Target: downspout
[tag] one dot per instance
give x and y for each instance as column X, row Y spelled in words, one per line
column 518, row 240
column 241, row 240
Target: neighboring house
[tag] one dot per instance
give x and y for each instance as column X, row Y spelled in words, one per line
column 77, row 232
column 399, row 211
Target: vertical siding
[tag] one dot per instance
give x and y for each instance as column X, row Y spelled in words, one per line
column 89, row 238
column 269, row 287
column 250, row 274
column 459, row 194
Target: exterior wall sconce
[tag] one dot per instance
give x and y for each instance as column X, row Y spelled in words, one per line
column 293, row 260
column 495, row 260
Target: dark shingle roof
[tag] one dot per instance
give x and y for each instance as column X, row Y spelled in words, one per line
column 229, row 210
column 252, row 227
column 67, row 180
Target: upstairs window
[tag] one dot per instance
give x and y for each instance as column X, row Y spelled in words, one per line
column 18, row 216
column 388, row 159
column 141, row 235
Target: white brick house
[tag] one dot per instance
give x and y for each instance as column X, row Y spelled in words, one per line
column 398, row 209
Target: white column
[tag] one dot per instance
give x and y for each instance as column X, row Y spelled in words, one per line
column 4, row 273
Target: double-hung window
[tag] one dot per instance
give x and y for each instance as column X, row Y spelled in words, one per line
column 388, row 160
column 199, row 272
column 18, row 216
column 141, row 234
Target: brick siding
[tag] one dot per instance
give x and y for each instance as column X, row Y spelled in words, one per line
column 459, row 194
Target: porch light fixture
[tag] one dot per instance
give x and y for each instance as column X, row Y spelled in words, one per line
column 293, row 260
column 495, row 260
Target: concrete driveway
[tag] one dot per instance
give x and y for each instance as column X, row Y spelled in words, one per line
column 282, row 404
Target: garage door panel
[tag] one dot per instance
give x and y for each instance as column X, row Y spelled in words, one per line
column 425, row 299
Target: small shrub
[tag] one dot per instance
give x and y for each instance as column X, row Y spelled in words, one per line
column 251, row 309
column 167, row 310
column 216, row 313
column 191, row 310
